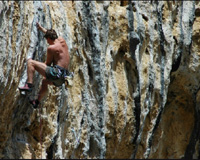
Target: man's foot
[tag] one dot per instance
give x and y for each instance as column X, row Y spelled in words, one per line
column 35, row 103
column 28, row 87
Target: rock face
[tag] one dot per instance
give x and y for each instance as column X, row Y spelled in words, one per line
column 136, row 83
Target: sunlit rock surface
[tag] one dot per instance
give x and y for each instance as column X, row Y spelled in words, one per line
column 135, row 90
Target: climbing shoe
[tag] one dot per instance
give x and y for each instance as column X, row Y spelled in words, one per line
column 35, row 103
column 27, row 88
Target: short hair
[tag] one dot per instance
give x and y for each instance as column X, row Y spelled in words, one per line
column 51, row 33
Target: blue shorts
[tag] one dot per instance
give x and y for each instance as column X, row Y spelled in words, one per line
column 56, row 75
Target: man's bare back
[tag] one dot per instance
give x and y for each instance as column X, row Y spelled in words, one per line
column 58, row 54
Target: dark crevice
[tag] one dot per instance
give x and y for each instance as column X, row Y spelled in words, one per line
column 199, row 147
column 90, row 73
column 177, row 60
column 197, row 12
column 133, row 87
column 155, row 26
column 190, row 47
column 175, row 39
column 51, row 149
column 1, row 18
column 93, row 149
column 195, row 136
column 94, row 41
column 145, row 17
column 137, row 112
column 133, row 42
column 134, row 39
column 123, row 3
column 162, row 92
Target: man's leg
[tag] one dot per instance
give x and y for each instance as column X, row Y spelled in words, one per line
column 35, row 65
column 31, row 67
column 43, row 89
column 41, row 93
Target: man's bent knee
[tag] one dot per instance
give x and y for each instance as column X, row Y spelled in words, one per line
column 38, row 66
column 30, row 62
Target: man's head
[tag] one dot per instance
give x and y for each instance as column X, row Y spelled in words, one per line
column 51, row 33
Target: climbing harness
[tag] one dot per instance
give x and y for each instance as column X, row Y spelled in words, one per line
column 58, row 75
column 65, row 75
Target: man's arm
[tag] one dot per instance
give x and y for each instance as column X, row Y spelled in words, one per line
column 49, row 59
column 41, row 28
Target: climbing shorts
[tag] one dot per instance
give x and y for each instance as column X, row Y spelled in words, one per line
column 56, row 74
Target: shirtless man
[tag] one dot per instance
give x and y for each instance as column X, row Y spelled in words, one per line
column 58, row 55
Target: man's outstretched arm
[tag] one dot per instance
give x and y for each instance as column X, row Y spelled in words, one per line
column 41, row 28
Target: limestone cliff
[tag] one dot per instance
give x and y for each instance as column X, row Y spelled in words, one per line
column 136, row 80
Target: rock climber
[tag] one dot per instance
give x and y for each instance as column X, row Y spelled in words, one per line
column 53, row 69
